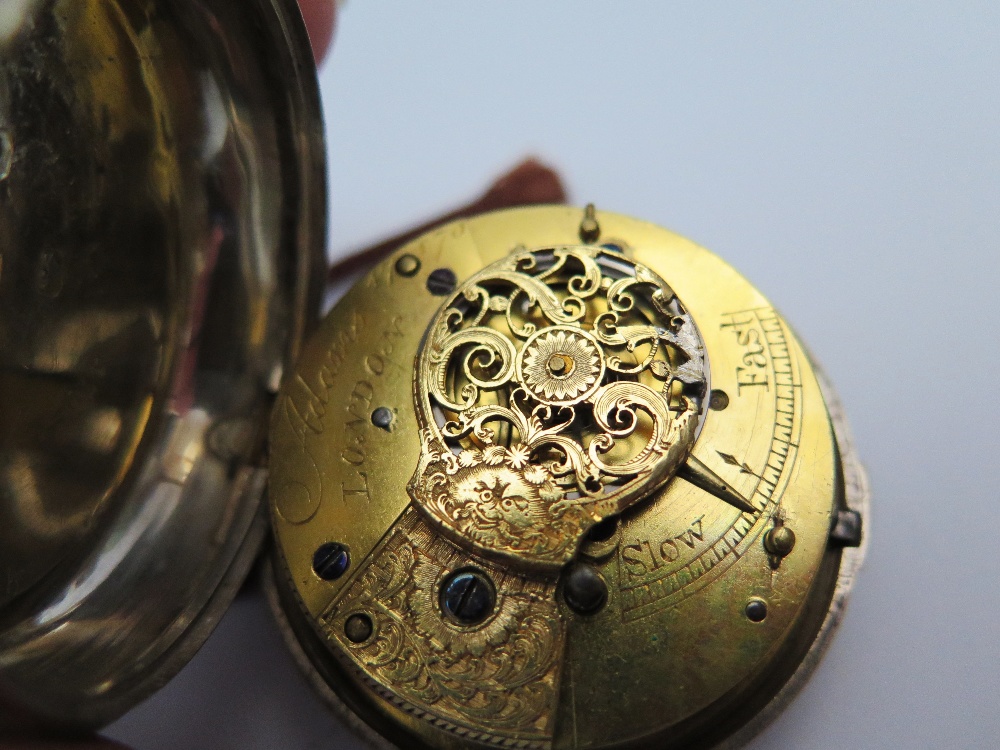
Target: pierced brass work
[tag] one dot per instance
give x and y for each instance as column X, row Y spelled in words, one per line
column 608, row 509
column 555, row 387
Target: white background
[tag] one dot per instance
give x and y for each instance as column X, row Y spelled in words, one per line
column 846, row 158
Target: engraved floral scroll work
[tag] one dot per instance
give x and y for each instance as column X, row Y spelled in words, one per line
column 497, row 683
column 553, row 389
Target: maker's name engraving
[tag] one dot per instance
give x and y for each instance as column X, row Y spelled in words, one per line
column 360, row 403
column 307, row 399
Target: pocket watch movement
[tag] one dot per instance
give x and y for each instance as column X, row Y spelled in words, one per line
column 552, row 478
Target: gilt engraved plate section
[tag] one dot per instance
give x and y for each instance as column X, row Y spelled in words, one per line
column 655, row 574
column 555, row 388
column 495, row 683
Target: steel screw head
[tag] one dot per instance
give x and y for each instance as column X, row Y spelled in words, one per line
column 756, row 610
column 382, row 418
column 331, row 560
column 468, row 597
column 584, row 589
column 442, row 281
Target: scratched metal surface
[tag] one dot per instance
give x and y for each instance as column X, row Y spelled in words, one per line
column 845, row 160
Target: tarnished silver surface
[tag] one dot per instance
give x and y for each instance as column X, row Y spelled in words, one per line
column 161, row 235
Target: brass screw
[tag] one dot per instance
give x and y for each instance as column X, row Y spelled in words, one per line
column 407, row 265
column 779, row 541
column 590, row 230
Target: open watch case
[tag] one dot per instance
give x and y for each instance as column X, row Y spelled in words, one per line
column 545, row 477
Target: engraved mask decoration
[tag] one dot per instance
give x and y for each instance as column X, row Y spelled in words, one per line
column 555, row 388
